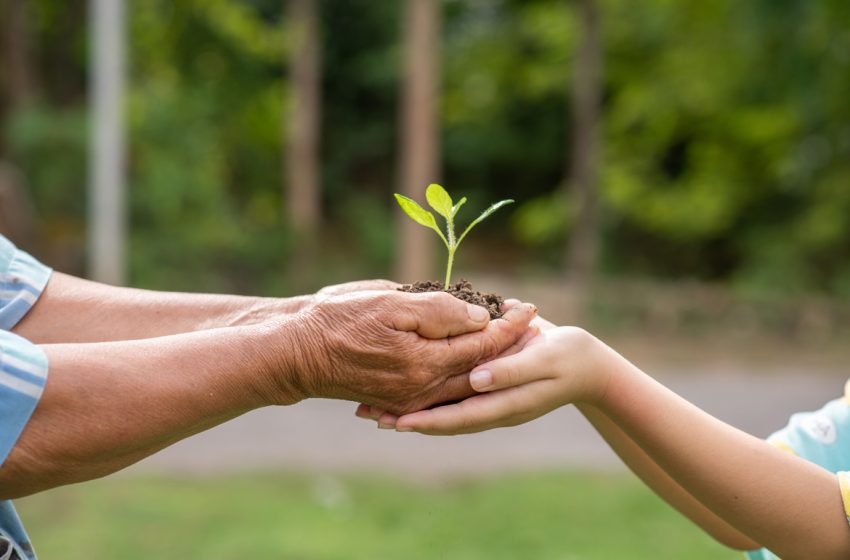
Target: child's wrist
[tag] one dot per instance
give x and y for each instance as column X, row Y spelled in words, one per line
column 599, row 370
column 584, row 363
column 615, row 374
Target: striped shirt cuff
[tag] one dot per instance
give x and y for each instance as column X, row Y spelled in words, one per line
column 22, row 279
column 23, row 374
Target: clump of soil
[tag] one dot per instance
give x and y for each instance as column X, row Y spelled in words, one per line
column 463, row 291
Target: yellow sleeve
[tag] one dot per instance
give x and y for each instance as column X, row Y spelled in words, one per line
column 844, row 482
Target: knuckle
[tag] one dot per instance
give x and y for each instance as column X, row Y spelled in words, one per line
column 441, row 301
column 491, row 344
column 419, row 377
column 465, row 424
column 406, row 408
column 574, row 336
column 383, row 300
column 511, row 376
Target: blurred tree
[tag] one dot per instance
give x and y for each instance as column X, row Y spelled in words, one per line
column 19, row 88
column 205, row 118
column 582, row 175
column 303, row 199
column 16, row 216
column 107, row 193
column 419, row 132
column 726, row 128
column 18, row 67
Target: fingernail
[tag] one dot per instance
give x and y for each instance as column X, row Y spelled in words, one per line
column 510, row 304
column 480, row 380
column 477, row 313
column 404, row 429
column 383, row 426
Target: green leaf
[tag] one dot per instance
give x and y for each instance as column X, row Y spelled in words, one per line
column 419, row 214
column 484, row 216
column 439, row 200
column 457, row 206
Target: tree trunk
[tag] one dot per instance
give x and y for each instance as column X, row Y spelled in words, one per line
column 419, row 133
column 583, row 173
column 303, row 201
column 16, row 64
column 16, row 215
column 107, row 227
column 17, row 52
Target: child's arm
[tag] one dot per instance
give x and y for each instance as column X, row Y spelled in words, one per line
column 632, row 455
column 660, row 482
column 784, row 503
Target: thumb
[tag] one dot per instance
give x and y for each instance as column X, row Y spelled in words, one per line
column 438, row 315
column 511, row 371
column 474, row 348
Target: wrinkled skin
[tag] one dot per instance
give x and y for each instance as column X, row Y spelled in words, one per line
column 354, row 287
column 398, row 351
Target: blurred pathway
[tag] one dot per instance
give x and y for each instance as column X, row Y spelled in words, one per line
column 325, row 435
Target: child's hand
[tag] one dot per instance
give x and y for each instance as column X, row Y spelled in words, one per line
column 561, row 365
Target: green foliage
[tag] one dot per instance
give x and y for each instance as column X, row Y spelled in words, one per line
column 49, row 143
column 440, row 201
column 725, row 134
column 205, row 115
column 543, row 220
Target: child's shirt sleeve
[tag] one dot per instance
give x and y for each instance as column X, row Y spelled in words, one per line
column 822, row 437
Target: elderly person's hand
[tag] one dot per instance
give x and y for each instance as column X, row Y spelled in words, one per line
column 398, row 351
column 354, row 287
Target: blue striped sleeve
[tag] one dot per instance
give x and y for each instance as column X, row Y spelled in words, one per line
column 22, row 279
column 23, row 365
column 23, row 374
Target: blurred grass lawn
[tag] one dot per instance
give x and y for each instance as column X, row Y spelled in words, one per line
column 565, row 516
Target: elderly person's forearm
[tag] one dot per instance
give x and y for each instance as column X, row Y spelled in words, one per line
column 108, row 405
column 76, row 310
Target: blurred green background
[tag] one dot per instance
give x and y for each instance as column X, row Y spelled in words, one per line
column 725, row 133
column 719, row 203
column 547, row 516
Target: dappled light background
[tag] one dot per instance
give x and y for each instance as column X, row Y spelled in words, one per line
column 724, row 149
column 710, row 235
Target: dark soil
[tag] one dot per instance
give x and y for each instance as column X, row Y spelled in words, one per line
column 463, row 291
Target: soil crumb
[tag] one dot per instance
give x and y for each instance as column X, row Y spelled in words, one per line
column 463, row 291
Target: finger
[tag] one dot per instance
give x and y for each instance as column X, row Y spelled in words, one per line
column 358, row 286
column 368, row 286
column 368, row 412
column 454, row 389
column 375, row 412
column 543, row 324
column 387, row 421
column 363, row 412
column 508, row 407
column 466, row 351
column 517, row 369
column 438, row 315
column 510, row 303
column 529, row 335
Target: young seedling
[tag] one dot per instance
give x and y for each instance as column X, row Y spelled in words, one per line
column 440, row 201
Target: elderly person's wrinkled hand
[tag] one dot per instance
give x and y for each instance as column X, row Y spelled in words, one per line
column 398, row 351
